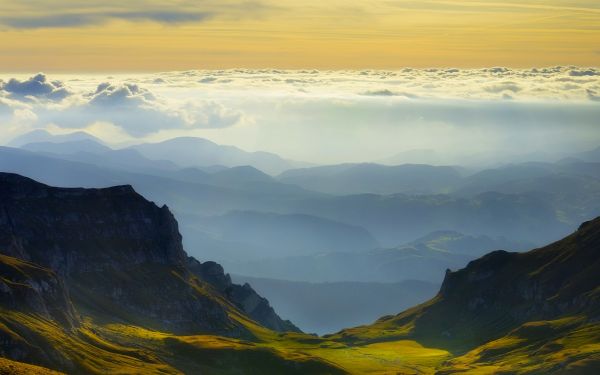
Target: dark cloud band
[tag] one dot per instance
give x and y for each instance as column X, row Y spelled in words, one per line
column 84, row 19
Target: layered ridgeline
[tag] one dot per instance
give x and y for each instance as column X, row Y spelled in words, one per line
column 97, row 281
column 537, row 312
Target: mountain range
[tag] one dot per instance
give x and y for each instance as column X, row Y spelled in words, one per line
column 97, row 281
column 294, row 239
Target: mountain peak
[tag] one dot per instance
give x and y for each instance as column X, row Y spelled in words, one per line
column 41, row 135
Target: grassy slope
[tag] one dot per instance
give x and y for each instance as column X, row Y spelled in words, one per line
column 8, row 367
column 386, row 347
column 562, row 345
column 535, row 347
column 117, row 348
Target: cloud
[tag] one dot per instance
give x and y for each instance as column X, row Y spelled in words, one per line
column 584, row 73
column 387, row 92
column 37, row 86
column 503, row 86
column 84, row 19
column 137, row 111
column 495, row 83
column 36, row 14
column 185, row 103
column 124, row 96
column 593, row 96
column 208, row 114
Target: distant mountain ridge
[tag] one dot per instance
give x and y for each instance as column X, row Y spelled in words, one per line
column 424, row 259
column 194, row 152
column 182, row 152
column 43, row 136
column 374, row 178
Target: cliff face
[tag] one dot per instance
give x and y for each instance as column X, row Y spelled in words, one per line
column 80, row 230
column 503, row 290
column 120, row 256
column 242, row 296
column 29, row 289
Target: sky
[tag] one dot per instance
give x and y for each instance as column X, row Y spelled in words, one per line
column 316, row 81
column 322, row 116
column 150, row 36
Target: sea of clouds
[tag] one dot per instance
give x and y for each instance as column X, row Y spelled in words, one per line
column 301, row 112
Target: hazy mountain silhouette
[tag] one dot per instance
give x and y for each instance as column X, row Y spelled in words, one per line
column 41, row 136
column 346, row 179
column 193, row 152
column 328, row 307
column 424, row 259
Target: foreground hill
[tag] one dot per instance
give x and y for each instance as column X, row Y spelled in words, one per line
column 524, row 312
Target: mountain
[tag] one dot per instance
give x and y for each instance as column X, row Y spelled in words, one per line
column 374, row 178
column 184, row 191
column 328, row 307
column 43, row 136
column 68, row 147
column 278, row 235
column 399, row 218
column 125, row 251
column 92, row 152
column 96, row 281
column 424, row 259
column 462, row 244
column 591, row 155
column 416, row 156
column 536, row 312
column 523, row 215
column 199, row 152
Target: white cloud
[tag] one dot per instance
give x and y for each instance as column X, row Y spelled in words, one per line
column 331, row 116
column 133, row 108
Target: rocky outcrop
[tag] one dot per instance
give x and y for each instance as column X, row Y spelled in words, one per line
column 121, row 257
column 243, row 296
column 29, row 288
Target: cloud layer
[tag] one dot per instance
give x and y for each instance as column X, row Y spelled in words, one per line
column 319, row 116
column 553, row 83
column 36, row 14
column 129, row 106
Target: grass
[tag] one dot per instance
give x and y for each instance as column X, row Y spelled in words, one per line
column 535, row 347
column 8, row 367
column 567, row 344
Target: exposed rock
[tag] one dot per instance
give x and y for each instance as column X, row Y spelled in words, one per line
column 243, row 296
column 121, row 257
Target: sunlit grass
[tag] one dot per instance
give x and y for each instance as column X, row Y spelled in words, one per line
column 126, row 349
column 8, row 367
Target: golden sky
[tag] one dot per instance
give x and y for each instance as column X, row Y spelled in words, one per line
column 149, row 35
